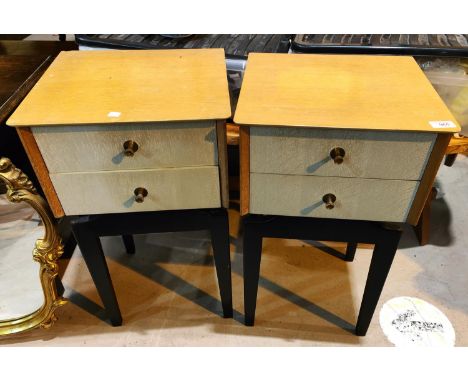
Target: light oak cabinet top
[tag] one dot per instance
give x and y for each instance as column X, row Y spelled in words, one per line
column 87, row 87
column 340, row 91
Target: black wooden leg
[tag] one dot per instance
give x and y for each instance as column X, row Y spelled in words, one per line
column 129, row 244
column 382, row 259
column 91, row 249
column 220, row 242
column 450, row 159
column 251, row 259
column 350, row 251
column 59, row 286
column 68, row 239
column 69, row 247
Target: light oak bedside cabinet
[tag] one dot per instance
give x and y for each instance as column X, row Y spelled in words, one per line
column 132, row 142
column 330, row 145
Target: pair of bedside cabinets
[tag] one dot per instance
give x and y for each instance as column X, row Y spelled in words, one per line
column 138, row 137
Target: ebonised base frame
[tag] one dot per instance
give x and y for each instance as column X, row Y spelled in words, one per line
column 385, row 237
column 87, row 230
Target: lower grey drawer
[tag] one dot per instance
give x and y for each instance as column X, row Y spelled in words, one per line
column 113, row 191
column 356, row 198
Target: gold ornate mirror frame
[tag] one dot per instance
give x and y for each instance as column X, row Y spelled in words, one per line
column 46, row 252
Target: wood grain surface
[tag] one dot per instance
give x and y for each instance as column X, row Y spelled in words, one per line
column 35, row 48
column 356, row 198
column 339, row 91
column 428, row 177
column 128, row 86
column 40, row 169
column 457, row 145
column 113, row 191
column 100, row 147
column 244, row 154
column 18, row 74
column 223, row 161
column 368, row 154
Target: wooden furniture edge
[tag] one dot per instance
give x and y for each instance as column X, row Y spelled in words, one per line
column 428, row 177
column 14, row 100
column 244, row 155
column 422, row 229
column 222, row 161
column 458, row 145
column 40, row 168
column 232, row 132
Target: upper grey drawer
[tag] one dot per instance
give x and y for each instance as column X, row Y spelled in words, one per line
column 77, row 148
column 368, row 154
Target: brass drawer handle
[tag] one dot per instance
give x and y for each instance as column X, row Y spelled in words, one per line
column 140, row 194
column 337, row 154
column 130, row 148
column 329, row 200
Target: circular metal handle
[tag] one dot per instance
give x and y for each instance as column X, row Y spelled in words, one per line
column 329, row 200
column 337, row 154
column 130, row 147
column 140, row 194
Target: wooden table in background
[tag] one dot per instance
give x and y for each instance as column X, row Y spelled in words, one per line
column 21, row 65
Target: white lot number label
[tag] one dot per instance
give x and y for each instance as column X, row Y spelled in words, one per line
column 442, row 124
column 410, row 321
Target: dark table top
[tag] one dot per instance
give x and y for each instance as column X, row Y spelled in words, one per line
column 448, row 45
column 235, row 45
column 15, row 74
column 21, row 65
column 34, row 48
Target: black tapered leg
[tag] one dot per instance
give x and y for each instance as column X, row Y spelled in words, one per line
column 59, row 286
column 251, row 260
column 350, row 251
column 129, row 244
column 68, row 239
column 91, row 249
column 382, row 259
column 220, row 241
column 450, row 159
column 69, row 247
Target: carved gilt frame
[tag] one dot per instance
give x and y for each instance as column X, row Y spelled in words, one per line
column 46, row 251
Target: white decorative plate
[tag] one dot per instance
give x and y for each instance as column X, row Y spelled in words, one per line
column 410, row 321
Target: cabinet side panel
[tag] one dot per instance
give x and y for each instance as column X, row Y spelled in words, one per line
column 428, row 177
column 223, row 161
column 40, row 168
column 244, row 152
